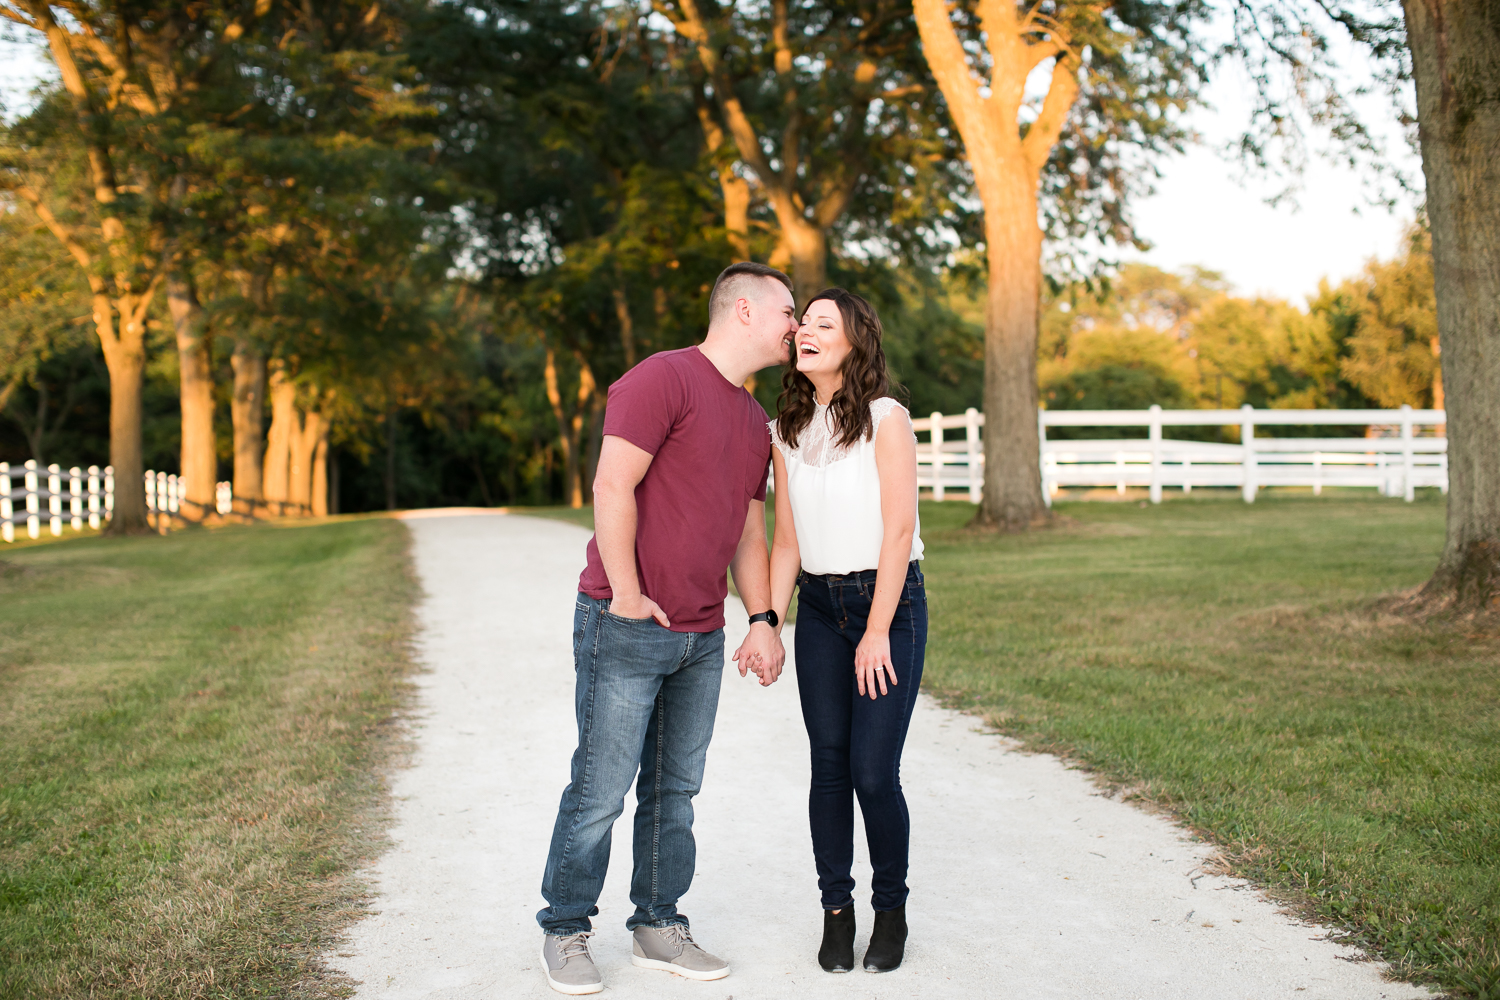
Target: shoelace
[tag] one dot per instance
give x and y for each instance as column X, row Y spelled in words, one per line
column 574, row 946
column 678, row 934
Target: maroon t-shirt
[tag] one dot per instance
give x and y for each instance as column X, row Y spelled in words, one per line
column 711, row 450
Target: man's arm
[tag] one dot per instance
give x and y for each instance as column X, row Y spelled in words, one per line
column 622, row 466
column 762, row 650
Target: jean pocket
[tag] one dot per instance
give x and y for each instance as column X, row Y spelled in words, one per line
column 627, row 621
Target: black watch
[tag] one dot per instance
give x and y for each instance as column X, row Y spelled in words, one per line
column 769, row 617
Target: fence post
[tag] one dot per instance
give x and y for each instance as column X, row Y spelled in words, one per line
column 1317, row 473
column 1247, row 439
column 33, row 525
column 1049, row 478
column 1406, row 455
column 54, row 500
column 7, row 528
column 1155, row 453
column 75, row 498
column 937, row 455
column 971, row 438
column 94, row 497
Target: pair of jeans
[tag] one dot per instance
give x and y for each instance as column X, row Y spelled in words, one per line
column 645, row 701
column 856, row 742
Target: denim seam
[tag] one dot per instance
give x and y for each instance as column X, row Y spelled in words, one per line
column 588, row 757
column 661, row 726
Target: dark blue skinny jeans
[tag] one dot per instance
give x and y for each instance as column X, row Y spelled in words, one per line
column 856, row 742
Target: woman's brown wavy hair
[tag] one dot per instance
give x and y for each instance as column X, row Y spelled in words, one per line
column 864, row 370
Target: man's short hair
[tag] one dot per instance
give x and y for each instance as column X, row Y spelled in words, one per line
column 736, row 281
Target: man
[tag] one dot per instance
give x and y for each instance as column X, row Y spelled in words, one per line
column 679, row 494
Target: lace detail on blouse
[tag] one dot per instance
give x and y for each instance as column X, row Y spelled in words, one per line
column 817, row 445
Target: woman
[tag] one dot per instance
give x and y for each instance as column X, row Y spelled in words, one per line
column 846, row 516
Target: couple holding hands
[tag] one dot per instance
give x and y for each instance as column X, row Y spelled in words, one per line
column 679, row 495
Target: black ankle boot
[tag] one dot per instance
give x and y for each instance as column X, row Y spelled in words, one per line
column 837, row 953
column 887, row 940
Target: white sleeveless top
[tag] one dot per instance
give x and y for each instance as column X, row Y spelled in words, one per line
column 835, row 494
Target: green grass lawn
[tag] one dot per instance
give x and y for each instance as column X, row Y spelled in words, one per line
column 191, row 727
column 191, row 732
column 1227, row 662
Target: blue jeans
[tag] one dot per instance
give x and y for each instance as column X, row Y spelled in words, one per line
column 645, row 701
column 856, row 742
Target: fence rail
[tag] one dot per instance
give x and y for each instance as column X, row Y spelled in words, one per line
column 1397, row 461
column 88, row 496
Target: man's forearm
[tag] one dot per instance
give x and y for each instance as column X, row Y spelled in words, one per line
column 614, row 532
column 752, row 574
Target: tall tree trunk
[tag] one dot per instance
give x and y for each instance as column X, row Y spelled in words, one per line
column 200, row 462
column 1455, row 48
column 1007, row 169
column 306, row 433
column 125, row 357
column 1437, row 374
column 736, row 213
column 570, row 425
column 627, row 324
column 121, row 300
column 247, row 414
column 804, row 224
column 1012, row 499
column 807, row 245
column 284, row 424
column 320, row 480
column 735, row 189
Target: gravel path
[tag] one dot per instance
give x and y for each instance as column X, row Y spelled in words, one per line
column 1026, row 882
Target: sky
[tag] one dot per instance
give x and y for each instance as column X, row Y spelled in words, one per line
column 1202, row 213
column 1205, row 213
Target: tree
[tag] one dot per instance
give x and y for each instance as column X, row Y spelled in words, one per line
column 1391, row 350
column 1450, row 51
column 1455, row 46
column 298, row 210
column 93, row 163
column 1135, row 67
column 827, row 105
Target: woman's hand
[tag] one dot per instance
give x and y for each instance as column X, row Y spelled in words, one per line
column 872, row 663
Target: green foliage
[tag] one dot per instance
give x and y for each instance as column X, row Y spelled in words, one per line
column 1387, row 321
column 50, row 375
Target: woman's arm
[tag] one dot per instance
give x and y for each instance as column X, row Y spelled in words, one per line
column 786, row 559
column 896, row 461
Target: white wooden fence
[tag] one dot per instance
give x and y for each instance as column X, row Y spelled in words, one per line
column 1396, row 462
column 88, row 496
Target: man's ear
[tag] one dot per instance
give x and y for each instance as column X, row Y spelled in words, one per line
column 742, row 309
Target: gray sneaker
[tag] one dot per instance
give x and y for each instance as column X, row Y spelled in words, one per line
column 568, row 964
column 672, row 949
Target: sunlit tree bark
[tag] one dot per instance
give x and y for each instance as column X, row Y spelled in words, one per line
column 276, row 478
column 570, row 422
column 199, row 462
column 1007, row 159
column 1455, row 47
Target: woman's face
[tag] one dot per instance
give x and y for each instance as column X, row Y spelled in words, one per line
column 821, row 343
